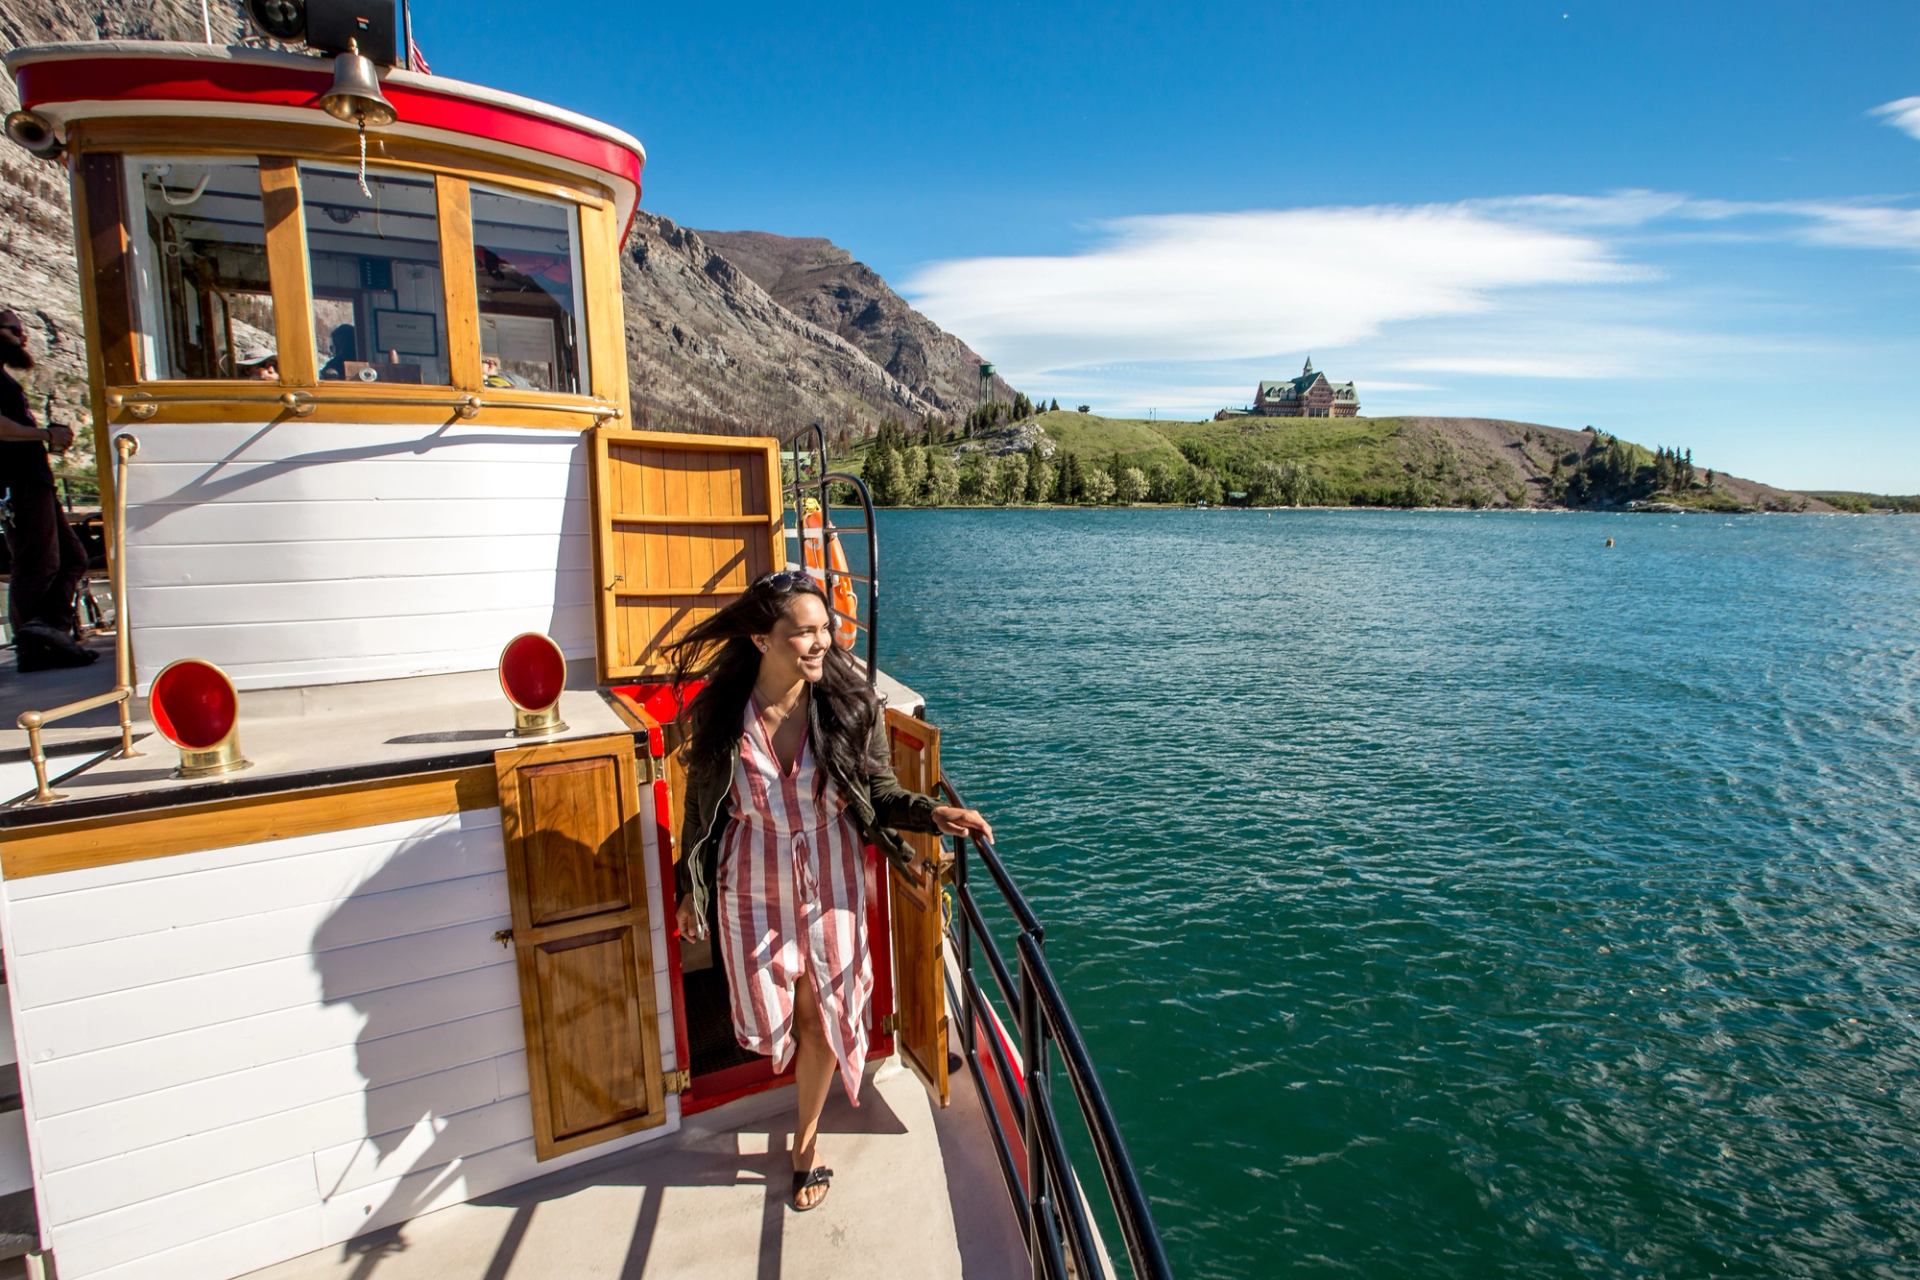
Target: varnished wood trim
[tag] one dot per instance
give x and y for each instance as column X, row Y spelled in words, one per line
column 201, row 136
column 100, row 239
column 680, row 521
column 219, row 824
column 287, row 268
column 684, row 440
column 776, row 509
column 605, row 302
column 603, row 505
column 456, row 273
column 103, row 262
column 188, row 402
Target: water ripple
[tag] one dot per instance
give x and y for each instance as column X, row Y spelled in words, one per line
column 1450, row 895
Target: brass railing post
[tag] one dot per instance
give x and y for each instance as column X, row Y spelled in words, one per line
column 125, row 446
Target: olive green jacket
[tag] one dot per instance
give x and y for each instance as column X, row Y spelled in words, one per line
column 878, row 804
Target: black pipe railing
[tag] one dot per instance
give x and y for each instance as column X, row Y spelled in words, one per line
column 822, row 480
column 1047, row 1193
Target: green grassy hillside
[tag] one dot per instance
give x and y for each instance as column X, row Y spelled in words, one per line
column 1138, row 442
column 1393, row 462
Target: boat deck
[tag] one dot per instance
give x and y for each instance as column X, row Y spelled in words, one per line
column 916, row 1193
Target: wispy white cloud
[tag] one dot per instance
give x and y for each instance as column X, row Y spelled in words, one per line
column 1901, row 113
column 1235, row 285
column 1545, row 286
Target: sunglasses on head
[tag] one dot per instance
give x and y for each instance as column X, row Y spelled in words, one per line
column 788, row 580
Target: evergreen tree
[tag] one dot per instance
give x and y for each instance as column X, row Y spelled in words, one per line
column 1055, row 406
column 1068, row 487
column 874, row 472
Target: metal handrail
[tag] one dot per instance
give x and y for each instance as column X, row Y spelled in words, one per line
column 125, row 445
column 1046, row 1192
column 822, row 483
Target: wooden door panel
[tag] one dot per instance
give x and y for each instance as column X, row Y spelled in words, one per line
column 682, row 524
column 577, row 863
column 576, row 880
column 919, row 945
column 592, row 1022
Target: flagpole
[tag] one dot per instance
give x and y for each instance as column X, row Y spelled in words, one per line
column 406, row 22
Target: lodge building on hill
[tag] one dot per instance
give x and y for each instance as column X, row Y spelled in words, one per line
column 1308, row 396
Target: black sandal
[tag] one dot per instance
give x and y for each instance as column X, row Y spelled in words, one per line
column 818, row 1176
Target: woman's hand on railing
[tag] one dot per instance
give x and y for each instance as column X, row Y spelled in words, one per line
column 955, row 821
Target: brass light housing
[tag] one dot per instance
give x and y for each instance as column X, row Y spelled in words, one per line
column 533, row 675
column 195, row 707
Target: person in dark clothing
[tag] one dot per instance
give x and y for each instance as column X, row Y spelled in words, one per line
column 49, row 561
column 344, row 345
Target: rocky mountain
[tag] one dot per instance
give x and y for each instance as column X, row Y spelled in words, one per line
column 822, row 282
column 709, row 349
column 38, row 274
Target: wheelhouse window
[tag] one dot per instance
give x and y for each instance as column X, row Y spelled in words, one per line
column 527, row 274
column 379, row 310
column 199, row 254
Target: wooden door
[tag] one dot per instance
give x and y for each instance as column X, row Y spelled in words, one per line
column 577, row 878
column 919, row 950
column 683, row 524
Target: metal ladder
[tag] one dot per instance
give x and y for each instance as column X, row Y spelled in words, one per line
column 808, row 474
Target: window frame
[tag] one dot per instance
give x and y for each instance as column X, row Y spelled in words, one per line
column 576, row 235
column 131, row 381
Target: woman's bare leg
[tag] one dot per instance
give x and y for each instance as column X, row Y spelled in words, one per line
column 813, row 1071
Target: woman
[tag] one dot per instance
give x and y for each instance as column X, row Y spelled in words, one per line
column 787, row 777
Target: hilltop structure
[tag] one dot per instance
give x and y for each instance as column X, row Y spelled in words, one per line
column 1308, row 396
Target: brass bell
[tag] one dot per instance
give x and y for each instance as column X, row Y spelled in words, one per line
column 355, row 96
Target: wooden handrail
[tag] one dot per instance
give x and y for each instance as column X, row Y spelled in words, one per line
column 124, row 447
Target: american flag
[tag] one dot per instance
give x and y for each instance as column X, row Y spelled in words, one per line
column 416, row 60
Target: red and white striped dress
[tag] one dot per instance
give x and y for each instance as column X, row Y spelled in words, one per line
column 792, row 902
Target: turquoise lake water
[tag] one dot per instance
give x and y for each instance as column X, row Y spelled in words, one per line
column 1451, row 895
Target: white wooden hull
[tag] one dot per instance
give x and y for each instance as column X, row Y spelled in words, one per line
column 301, row 553
column 248, row 1053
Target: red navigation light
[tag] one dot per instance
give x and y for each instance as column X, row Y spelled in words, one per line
column 533, row 674
column 194, row 706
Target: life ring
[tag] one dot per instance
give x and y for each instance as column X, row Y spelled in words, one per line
column 846, row 601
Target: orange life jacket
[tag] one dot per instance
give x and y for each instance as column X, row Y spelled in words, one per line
column 846, row 601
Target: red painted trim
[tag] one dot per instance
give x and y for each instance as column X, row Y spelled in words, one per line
column 663, row 841
column 717, row 1088
column 996, row 1092
column 244, row 84
column 880, row 937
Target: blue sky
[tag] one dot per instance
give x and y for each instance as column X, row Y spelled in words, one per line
column 1693, row 224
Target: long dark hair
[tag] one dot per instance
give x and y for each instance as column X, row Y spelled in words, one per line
column 720, row 653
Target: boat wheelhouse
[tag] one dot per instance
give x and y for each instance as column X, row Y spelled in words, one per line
column 345, row 902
